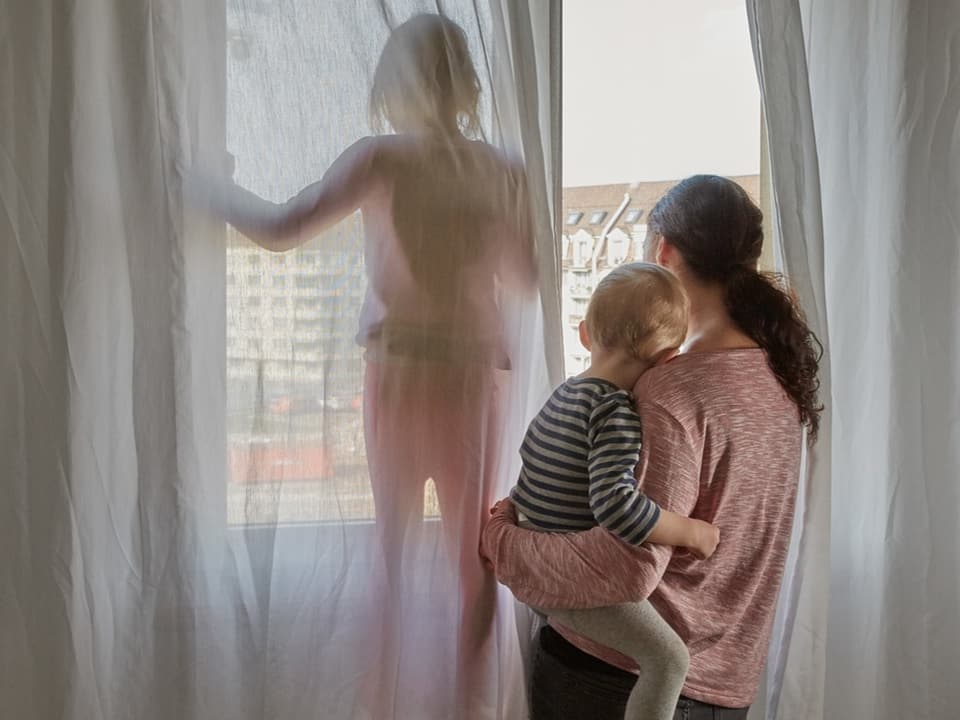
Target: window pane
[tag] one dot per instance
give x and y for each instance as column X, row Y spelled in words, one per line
column 699, row 113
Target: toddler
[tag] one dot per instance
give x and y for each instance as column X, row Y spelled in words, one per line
column 579, row 456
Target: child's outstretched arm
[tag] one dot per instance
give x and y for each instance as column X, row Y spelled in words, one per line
column 617, row 503
column 284, row 226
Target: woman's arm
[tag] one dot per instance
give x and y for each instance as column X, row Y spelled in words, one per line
column 567, row 571
column 284, row 226
column 594, row 568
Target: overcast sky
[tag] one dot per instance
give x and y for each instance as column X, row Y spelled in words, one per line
column 657, row 90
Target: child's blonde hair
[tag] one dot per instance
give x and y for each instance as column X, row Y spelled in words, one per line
column 640, row 308
column 426, row 79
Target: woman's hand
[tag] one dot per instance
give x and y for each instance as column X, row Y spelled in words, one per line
column 505, row 511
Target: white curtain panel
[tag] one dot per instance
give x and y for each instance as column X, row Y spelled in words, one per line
column 862, row 100
column 187, row 521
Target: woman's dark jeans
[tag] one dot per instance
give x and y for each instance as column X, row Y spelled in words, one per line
column 568, row 684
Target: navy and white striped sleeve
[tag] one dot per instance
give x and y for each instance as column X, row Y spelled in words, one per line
column 615, row 436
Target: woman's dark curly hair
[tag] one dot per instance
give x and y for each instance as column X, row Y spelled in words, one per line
column 718, row 230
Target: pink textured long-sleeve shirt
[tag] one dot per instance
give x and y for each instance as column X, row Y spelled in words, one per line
column 722, row 443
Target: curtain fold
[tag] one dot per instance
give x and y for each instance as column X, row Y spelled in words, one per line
column 794, row 676
column 861, row 103
column 188, row 526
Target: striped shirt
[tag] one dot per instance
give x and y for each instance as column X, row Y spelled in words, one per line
column 579, row 456
column 723, row 443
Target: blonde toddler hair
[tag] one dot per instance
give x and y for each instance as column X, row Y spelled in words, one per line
column 640, row 308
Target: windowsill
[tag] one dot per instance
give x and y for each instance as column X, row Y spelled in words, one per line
column 289, row 548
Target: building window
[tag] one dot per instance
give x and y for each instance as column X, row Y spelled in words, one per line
column 618, row 251
column 574, row 217
column 597, row 217
column 308, row 346
column 633, row 216
column 582, row 252
column 307, row 303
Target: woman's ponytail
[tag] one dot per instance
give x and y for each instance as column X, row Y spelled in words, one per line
column 760, row 306
column 718, row 230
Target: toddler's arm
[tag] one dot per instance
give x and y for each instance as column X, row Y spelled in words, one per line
column 617, row 503
column 700, row 537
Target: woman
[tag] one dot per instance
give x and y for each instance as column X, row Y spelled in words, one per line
column 723, row 425
column 446, row 232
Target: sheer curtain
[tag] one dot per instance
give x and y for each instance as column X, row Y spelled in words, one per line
column 862, row 101
column 188, row 527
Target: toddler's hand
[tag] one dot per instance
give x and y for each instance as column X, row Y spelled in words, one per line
column 706, row 539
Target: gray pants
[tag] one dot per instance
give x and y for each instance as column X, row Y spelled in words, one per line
column 637, row 631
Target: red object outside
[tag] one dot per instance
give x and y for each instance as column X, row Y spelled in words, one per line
column 257, row 462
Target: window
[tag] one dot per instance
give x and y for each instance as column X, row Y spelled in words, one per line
column 574, row 217
column 714, row 128
column 308, row 304
column 582, row 248
column 308, row 323
column 289, row 358
column 618, row 247
column 564, row 246
column 239, row 46
column 307, row 346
